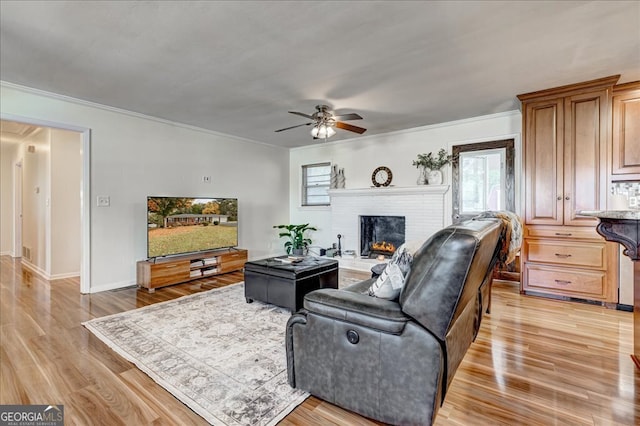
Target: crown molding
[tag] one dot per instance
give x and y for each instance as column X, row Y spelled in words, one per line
column 57, row 96
column 460, row 122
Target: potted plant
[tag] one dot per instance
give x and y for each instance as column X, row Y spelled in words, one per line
column 297, row 241
column 430, row 166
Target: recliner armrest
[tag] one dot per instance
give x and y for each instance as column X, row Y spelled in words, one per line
column 362, row 309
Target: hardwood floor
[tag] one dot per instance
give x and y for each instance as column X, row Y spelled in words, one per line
column 535, row 362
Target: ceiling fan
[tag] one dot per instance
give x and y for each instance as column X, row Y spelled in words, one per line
column 324, row 121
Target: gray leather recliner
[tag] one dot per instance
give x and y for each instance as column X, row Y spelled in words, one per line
column 394, row 360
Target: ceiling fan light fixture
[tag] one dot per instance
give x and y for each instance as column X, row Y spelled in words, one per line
column 324, row 122
column 322, row 131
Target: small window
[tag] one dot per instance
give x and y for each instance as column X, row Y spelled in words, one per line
column 316, row 179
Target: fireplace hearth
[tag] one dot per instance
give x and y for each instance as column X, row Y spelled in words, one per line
column 381, row 235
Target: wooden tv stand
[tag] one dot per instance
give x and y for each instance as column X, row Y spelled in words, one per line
column 155, row 273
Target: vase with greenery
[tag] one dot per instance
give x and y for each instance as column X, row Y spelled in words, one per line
column 297, row 242
column 430, row 166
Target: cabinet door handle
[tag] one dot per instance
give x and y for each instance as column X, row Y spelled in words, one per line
column 563, row 234
column 563, row 255
column 567, row 198
column 559, row 198
column 562, row 282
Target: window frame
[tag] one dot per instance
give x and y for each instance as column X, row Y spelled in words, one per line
column 502, row 152
column 509, row 146
column 304, row 201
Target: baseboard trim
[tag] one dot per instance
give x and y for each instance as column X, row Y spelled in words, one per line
column 63, row 276
column 112, row 286
column 35, row 269
column 623, row 307
column 45, row 275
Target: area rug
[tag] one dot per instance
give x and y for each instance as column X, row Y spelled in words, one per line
column 222, row 357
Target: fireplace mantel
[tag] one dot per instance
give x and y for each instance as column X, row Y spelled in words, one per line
column 422, row 206
column 390, row 190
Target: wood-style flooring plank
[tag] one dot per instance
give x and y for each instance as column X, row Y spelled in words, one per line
column 536, row 361
column 164, row 404
column 11, row 388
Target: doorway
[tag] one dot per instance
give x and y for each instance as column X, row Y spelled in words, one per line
column 83, row 185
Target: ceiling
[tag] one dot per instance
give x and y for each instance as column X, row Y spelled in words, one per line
column 14, row 132
column 237, row 67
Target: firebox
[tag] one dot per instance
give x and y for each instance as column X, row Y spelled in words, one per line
column 381, row 235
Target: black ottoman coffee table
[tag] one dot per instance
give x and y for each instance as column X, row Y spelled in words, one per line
column 285, row 284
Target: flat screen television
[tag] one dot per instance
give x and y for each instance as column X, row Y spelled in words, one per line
column 178, row 225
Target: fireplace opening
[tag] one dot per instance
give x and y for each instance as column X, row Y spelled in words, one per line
column 381, row 235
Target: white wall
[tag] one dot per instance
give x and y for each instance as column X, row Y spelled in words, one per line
column 35, row 192
column 64, row 206
column 133, row 156
column 51, row 200
column 361, row 155
column 8, row 154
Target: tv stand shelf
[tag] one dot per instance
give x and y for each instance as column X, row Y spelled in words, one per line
column 155, row 273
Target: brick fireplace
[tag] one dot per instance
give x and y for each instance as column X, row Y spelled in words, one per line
column 421, row 206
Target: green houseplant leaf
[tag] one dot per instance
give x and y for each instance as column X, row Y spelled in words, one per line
column 429, row 161
column 295, row 235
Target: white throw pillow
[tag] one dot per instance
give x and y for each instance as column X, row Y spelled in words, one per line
column 389, row 283
column 403, row 258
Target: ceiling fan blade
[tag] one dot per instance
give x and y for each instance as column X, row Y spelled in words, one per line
column 301, row 114
column 350, row 127
column 293, row 127
column 347, row 117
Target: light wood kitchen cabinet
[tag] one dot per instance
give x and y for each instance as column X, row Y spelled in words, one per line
column 544, row 129
column 626, row 132
column 566, row 142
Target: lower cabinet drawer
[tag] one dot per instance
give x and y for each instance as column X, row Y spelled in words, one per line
column 170, row 272
column 562, row 232
column 567, row 282
column 233, row 261
column 581, row 254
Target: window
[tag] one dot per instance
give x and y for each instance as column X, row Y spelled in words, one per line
column 316, row 179
column 481, row 181
column 483, row 178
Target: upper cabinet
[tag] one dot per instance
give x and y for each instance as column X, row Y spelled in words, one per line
column 544, row 149
column 565, row 152
column 626, row 132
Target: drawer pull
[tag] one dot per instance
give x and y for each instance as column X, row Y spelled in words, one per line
column 563, row 282
column 170, row 266
column 563, row 234
column 564, row 256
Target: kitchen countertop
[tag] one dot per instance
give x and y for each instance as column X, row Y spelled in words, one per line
column 612, row 214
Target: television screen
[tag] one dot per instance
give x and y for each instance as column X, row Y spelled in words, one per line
column 178, row 225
